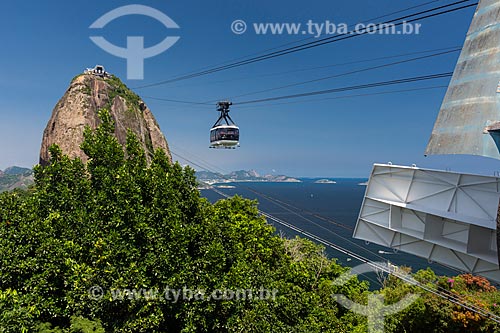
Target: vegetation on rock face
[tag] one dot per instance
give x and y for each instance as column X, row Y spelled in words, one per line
column 120, row 89
column 76, row 76
column 76, row 251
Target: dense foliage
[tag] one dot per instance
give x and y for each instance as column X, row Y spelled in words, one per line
column 116, row 224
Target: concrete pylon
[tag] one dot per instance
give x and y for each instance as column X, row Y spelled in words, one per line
column 469, row 118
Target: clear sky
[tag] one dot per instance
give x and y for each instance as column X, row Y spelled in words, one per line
column 46, row 43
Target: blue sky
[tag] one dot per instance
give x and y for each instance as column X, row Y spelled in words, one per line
column 46, row 43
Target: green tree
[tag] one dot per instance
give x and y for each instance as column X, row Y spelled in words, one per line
column 116, row 224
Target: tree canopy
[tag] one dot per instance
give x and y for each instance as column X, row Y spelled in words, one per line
column 109, row 245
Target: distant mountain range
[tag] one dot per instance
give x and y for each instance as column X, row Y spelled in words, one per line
column 210, row 178
column 15, row 177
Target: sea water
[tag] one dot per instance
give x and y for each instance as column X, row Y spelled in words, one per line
column 334, row 204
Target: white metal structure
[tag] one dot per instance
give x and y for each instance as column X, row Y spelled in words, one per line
column 447, row 217
column 98, row 70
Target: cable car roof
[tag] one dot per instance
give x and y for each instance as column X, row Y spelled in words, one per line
column 225, row 126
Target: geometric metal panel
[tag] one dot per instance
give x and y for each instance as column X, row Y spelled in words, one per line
column 469, row 118
column 443, row 216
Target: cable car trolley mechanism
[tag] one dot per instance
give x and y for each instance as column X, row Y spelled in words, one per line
column 224, row 133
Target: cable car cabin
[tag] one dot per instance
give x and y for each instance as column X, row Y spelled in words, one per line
column 224, row 136
column 224, row 133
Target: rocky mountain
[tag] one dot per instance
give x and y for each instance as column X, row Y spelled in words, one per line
column 241, row 176
column 79, row 107
column 15, row 177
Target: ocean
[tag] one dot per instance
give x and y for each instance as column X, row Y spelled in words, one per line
column 338, row 202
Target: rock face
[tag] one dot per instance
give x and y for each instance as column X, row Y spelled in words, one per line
column 78, row 107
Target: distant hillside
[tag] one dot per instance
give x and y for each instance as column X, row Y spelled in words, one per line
column 15, row 177
column 15, row 170
column 18, row 177
column 241, row 176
